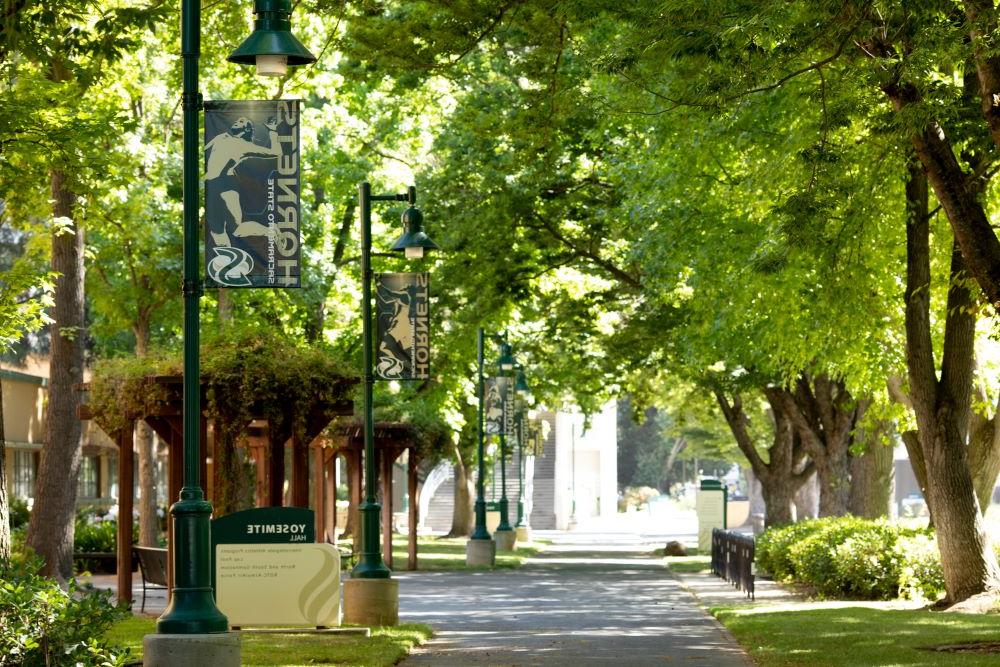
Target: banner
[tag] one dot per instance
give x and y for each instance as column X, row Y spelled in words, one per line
column 509, row 423
column 402, row 307
column 252, row 193
column 493, row 400
column 495, row 394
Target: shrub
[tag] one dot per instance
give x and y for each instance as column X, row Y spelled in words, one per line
column 854, row 558
column 814, row 558
column 95, row 537
column 773, row 547
column 41, row 624
column 921, row 576
column 19, row 513
column 867, row 565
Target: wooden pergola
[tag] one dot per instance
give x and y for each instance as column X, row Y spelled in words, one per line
column 347, row 440
column 166, row 421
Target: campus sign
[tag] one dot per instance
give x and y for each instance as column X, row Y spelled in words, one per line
column 402, row 304
column 252, row 193
column 268, row 570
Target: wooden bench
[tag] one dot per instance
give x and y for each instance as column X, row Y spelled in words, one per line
column 153, row 567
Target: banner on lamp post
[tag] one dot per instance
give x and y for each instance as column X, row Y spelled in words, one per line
column 252, row 185
column 402, row 306
column 493, row 401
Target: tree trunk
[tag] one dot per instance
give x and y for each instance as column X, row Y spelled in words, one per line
column 807, row 499
column 462, row 517
column 872, row 481
column 942, row 406
column 785, row 471
column 149, row 524
column 4, row 502
column 50, row 532
column 984, row 456
column 779, row 494
column 825, row 415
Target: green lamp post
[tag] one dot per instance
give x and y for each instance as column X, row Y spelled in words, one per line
column 413, row 243
column 505, row 367
column 192, row 607
column 524, row 392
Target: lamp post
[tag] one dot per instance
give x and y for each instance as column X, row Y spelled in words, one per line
column 481, row 549
column 192, row 609
column 521, row 387
column 505, row 536
column 371, row 597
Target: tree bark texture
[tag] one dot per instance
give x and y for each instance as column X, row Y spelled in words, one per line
column 786, row 469
column 50, row 532
column 957, row 194
column 825, row 415
column 872, row 480
column 145, row 446
column 462, row 517
column 984, row 454
column 942, row 407
column 807, row 499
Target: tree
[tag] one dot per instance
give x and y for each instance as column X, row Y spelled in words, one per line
column 58, row 49
column 942, row 406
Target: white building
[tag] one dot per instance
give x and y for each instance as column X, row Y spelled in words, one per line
column 586, row 466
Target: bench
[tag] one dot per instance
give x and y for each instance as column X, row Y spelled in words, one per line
column 153, row 567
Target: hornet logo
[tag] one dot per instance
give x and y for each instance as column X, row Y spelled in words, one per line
column 230, row 266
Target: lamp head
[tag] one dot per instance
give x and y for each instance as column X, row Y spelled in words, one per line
column 521, row 383
column 414, row 242
column 271, row 46
column 506, row 361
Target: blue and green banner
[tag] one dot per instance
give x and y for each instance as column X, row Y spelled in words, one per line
column 252, row 185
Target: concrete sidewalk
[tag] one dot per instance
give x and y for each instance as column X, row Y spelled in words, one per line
column 595, row 599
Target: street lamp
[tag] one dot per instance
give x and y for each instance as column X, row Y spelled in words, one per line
column 505, row 536
column 192, row 609
column 271, row 46
column 524, row 392
column 481, row 549
column 371, row 597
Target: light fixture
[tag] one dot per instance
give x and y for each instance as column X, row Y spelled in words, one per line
column 271, row 46
column 413, row 242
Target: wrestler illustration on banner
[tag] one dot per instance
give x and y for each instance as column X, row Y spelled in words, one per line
column 225, row 153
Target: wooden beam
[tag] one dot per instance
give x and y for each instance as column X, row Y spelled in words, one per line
column 300, row 473
column 319, row 471
column 414, row 514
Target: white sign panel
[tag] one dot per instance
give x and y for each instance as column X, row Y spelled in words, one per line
column 278, row 584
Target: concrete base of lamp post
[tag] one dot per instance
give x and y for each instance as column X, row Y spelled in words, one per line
column 220, row 649
column 371, row 602
column 523, row 534
column 505, row 540
column 480, row 552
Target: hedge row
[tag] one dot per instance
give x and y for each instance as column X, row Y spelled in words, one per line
column 847, row 557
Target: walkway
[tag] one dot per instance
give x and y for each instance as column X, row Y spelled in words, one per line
column 594, row 599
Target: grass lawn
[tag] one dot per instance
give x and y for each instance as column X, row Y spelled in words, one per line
column 386, row 646
column 448, row 553
column 692, row 564
column 857, row 634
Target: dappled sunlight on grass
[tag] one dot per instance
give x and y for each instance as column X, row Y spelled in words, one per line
column 852, row 633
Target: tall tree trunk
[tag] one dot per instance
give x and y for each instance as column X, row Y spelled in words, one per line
column 786, row 469
column 872, row 480
column 984, row 455
column 462, row 516
column 149, row 524
column 825, row 415
column 942, row 406
column 50, row 532
column 807, row 499
column 4, row 502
